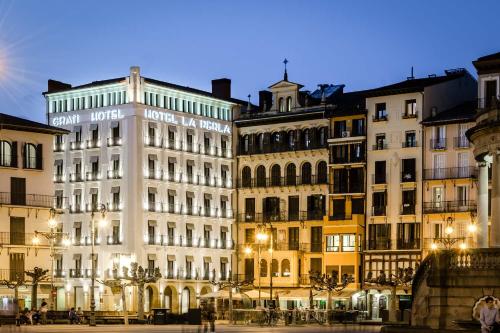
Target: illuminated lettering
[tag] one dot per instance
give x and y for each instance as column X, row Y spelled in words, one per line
column 170, row 118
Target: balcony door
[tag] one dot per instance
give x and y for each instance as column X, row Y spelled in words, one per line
column 17, row 227
column 438, row 166
column 18, row 191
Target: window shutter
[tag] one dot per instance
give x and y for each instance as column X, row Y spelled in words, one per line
column 25, row 158
column 14, row 154
column 39, row 157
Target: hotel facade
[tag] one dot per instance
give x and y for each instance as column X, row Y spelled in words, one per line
column 157, row 159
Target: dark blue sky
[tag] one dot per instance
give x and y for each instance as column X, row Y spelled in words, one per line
column 362, row 44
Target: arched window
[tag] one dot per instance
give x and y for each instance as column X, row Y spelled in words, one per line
column 167, row 298
column 291, row 140
column 322, row 136
column 30, row 158
column 245, row 142
column 321, row 173
column 285, row 267
column 275, row 139
column 185, row 300
column 260, row 142
column 291, row 174
column 261, row 176
column 281, row 105
column 263, row 268
column 306, row 173
column 306, row 138
column 276, row 175
column 6, row 153
column 289, row 104
column 246, row 177
column 275, row 268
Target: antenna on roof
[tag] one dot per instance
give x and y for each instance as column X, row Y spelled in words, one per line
column 285, row 76
column 411, row 77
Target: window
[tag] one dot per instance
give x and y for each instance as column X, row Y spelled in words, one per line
column 249, row 235
column 410, row 139
column 408, row 202
column 380, row 143
column 263, row 268
column 281, row 105
column 462, row 196
column 321, row 173
column 379, row 236
column 291, row 140
column 322, row 136
column 291, row 174
column 271, row 208
column 260, row 142
column 380, row 112
column 358, row 127
column 338, row 209
column 276, row 175
column 261, row 176
column 348, row 242
column 410, row 108
column 245, row 142
column 249, row 209
column 293, row 208
column 274, row 268
column 285, row 268
column 332, row 243
column 289, row 104
column 408, row 173
column 306, row 138
column 8, row 154
column 293, row 238
column 306, row 173
column 116, row 232
column 316, row 239
column 408, row 235
column 380, row 172
column 246, row 176
column 379, row 203
column 32, row 156
column 340, row 129
column 439, row 140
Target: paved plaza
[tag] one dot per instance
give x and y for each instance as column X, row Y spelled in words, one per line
column 185, row 329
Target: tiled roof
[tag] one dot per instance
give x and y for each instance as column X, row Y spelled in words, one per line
column 461, row 113
column 21, row 124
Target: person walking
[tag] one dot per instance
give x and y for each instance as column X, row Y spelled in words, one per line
column 43, row 312
column 489, row 317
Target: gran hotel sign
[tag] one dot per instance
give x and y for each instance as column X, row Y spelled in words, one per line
column 154, row 115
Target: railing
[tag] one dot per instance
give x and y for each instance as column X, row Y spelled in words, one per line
column 376, row 118
column 282, row 216
column 412, row 244
column 114, row 141
column 449, row 206
column 92, row 175
column 114, row 174
column 475, row 260
column 438, row 144
column 81, row 273
column 409, row 144
column 75, row 177
column 408, row 209
column 58, row 178
column 267, row 149
column 450, row 173
column 20, row 238
column 485, row 104
column 354, row 187
column 340, row 217
column 33, row 200
column 189, row 179
column 58, row 147
column 379, row 146
column 114, row 207
column 311, row 247
column 409, row 115
column 76, row 145
column 93, row 143
column 281, row 181
column 408, row 176
column 379, row 210
column 379, row 244
column 461, row 142
column 75, row 209
column 182, row 146
column 379, row 178
column 161, row 207
column 346, row 134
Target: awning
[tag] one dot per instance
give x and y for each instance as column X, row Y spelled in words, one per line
column 171, row 224
column 77, row 191
column 77, row 224
column 224, row 260
column 224, row 198
column 115, row 223
column 207, row 196
column 172, row 159
column 189, row 194
column 152, row 190
column 77, row 160
column 93, row 127
column 94, row 159
column 189, row 226
column 207, row 259
column 115, row 189
column 58, row 162
column 344, row 294
column 152, row 125
column 171, row 257
column 152, row 157
column 172, row 128
column 115, row 157
column 223, row 294
column 254, row 294
column 152, row 223
column 224, row 167
column 223, row 229
column 115, row 124
column 207, row 227
column 152, row 256
column 190, row 162
column 172, row 192
column 94, row 190
column 302, row 293
column 190, row 258
column 208, row 165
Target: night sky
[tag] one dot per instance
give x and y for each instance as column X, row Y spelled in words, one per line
column 362, row 44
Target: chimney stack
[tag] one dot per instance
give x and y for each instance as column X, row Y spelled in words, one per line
column 265, row 100
column 55, row 86
column 221, row 88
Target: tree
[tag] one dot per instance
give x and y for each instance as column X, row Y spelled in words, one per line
column 330, row 284
column 403, row 278
column 230, row 284
column 117, row 284
column 17, row 282
column 140, row 277
column 37, row 275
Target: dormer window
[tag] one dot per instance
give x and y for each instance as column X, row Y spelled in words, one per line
column 281, row 105
column 289, row 104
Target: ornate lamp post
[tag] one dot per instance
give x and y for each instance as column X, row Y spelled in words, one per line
column 52, row 236
column 261, row 237
column 102, row 222
column 448, row 241
column 232, row 284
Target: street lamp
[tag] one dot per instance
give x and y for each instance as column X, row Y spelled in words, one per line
column 261, row 237
column 52, row 236
column 102, row 223
column 448, row 241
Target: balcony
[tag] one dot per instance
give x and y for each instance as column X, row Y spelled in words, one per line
column 58, row 147
column 114, row 207
column 76, row 145
column 113, row 240
column 81, row 273
column 408, row 209
column 282, row 216
column 58, row 178
column 75, row 209
column 75, row 177
column 456, row 206
column 32, row 200
column 381, row 243
column 214, row 212
column 340, row 217
column 380, row 146
column 450, row 173
column 379, row 117
column 114, row 174
column 343, row 188
column 438, row 144
column 282, row 181
column 296, row 146
column 409, row 144
column 311, row 247
column 408, row 244
column 346, row 134
column 152, row 141
column 19, row 238
column 92, row 175
column 114, row 141
column 409, row 115
column 93, row 143
column 379, row 210
column 461, row 142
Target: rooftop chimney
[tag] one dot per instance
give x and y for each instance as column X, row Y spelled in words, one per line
column 221, row 88
column 55, row 86
column 265, row 100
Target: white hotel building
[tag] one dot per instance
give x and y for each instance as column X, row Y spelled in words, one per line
column 159, row 157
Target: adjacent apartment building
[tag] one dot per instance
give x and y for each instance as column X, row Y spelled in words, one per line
column 27, row 202
column 282, row 165
column 158, row 158
column 395, row 164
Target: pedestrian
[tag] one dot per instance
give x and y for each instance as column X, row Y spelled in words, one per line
column 489, row 317
column 35, row 317
column 80, row 314
column 73, row 317
column 43, row 312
